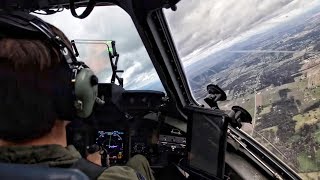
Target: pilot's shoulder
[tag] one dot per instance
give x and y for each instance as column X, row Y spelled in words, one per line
column 119, row 172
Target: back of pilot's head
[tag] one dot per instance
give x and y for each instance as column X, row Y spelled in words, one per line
column 35, row 87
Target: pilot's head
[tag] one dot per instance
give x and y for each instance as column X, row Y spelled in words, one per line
column 37, row 88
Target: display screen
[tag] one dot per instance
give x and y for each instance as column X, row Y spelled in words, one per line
column 113, row 143
column 207, row 144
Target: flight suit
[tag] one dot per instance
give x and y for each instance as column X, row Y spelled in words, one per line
column 58, row 156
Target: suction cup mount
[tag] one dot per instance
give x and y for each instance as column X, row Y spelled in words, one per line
column 238, row 115
column 215, row 94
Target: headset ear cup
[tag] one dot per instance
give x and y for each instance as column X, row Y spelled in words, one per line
column 86, row 92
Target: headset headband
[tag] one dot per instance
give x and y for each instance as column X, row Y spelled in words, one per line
column 17, row 21
column 19, row 24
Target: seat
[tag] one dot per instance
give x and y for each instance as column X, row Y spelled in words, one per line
column 35, row 172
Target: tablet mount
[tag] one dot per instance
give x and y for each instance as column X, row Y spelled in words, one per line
column 236, row 116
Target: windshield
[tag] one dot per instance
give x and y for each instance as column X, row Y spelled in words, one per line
column 92, row 35
column 266, row 56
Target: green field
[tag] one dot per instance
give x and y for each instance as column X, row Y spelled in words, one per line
column 295, row 138
column 265, row 110
column 270, row 96
column 274, row 129
column 307, row 163
column 310, row 175
column 311, row 117
column 307, row 152
column 317, row 135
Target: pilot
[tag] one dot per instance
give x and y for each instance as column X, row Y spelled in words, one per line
column 32, row 131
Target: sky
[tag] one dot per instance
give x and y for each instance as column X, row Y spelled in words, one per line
column 203, row 28
column 109, row 23
column 199, row 28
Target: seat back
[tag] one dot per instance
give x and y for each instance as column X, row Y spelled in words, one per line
column 34, row 172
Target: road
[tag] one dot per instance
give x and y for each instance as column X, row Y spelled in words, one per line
column 255, row 102
column 254, row 112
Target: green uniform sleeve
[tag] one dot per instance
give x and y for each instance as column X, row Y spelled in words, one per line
column 118, row 173
column 141, row 165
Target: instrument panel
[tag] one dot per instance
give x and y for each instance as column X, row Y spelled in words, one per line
column 159, row 147
column 173, row 144
column 120, row 145
column 112, row 143
column 121, row 130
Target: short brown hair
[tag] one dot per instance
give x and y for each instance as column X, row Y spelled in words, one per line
column 30, row 69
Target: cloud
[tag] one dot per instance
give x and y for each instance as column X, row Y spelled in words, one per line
column 213, row 24
column 199, row 29
column 109, row 23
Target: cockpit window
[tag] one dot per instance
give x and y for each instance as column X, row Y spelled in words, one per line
column 266, row 57
column 102, row 25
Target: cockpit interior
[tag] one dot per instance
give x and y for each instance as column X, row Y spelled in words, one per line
column 188, row 124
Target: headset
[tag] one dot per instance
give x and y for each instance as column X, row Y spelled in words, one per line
column 21, row 24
